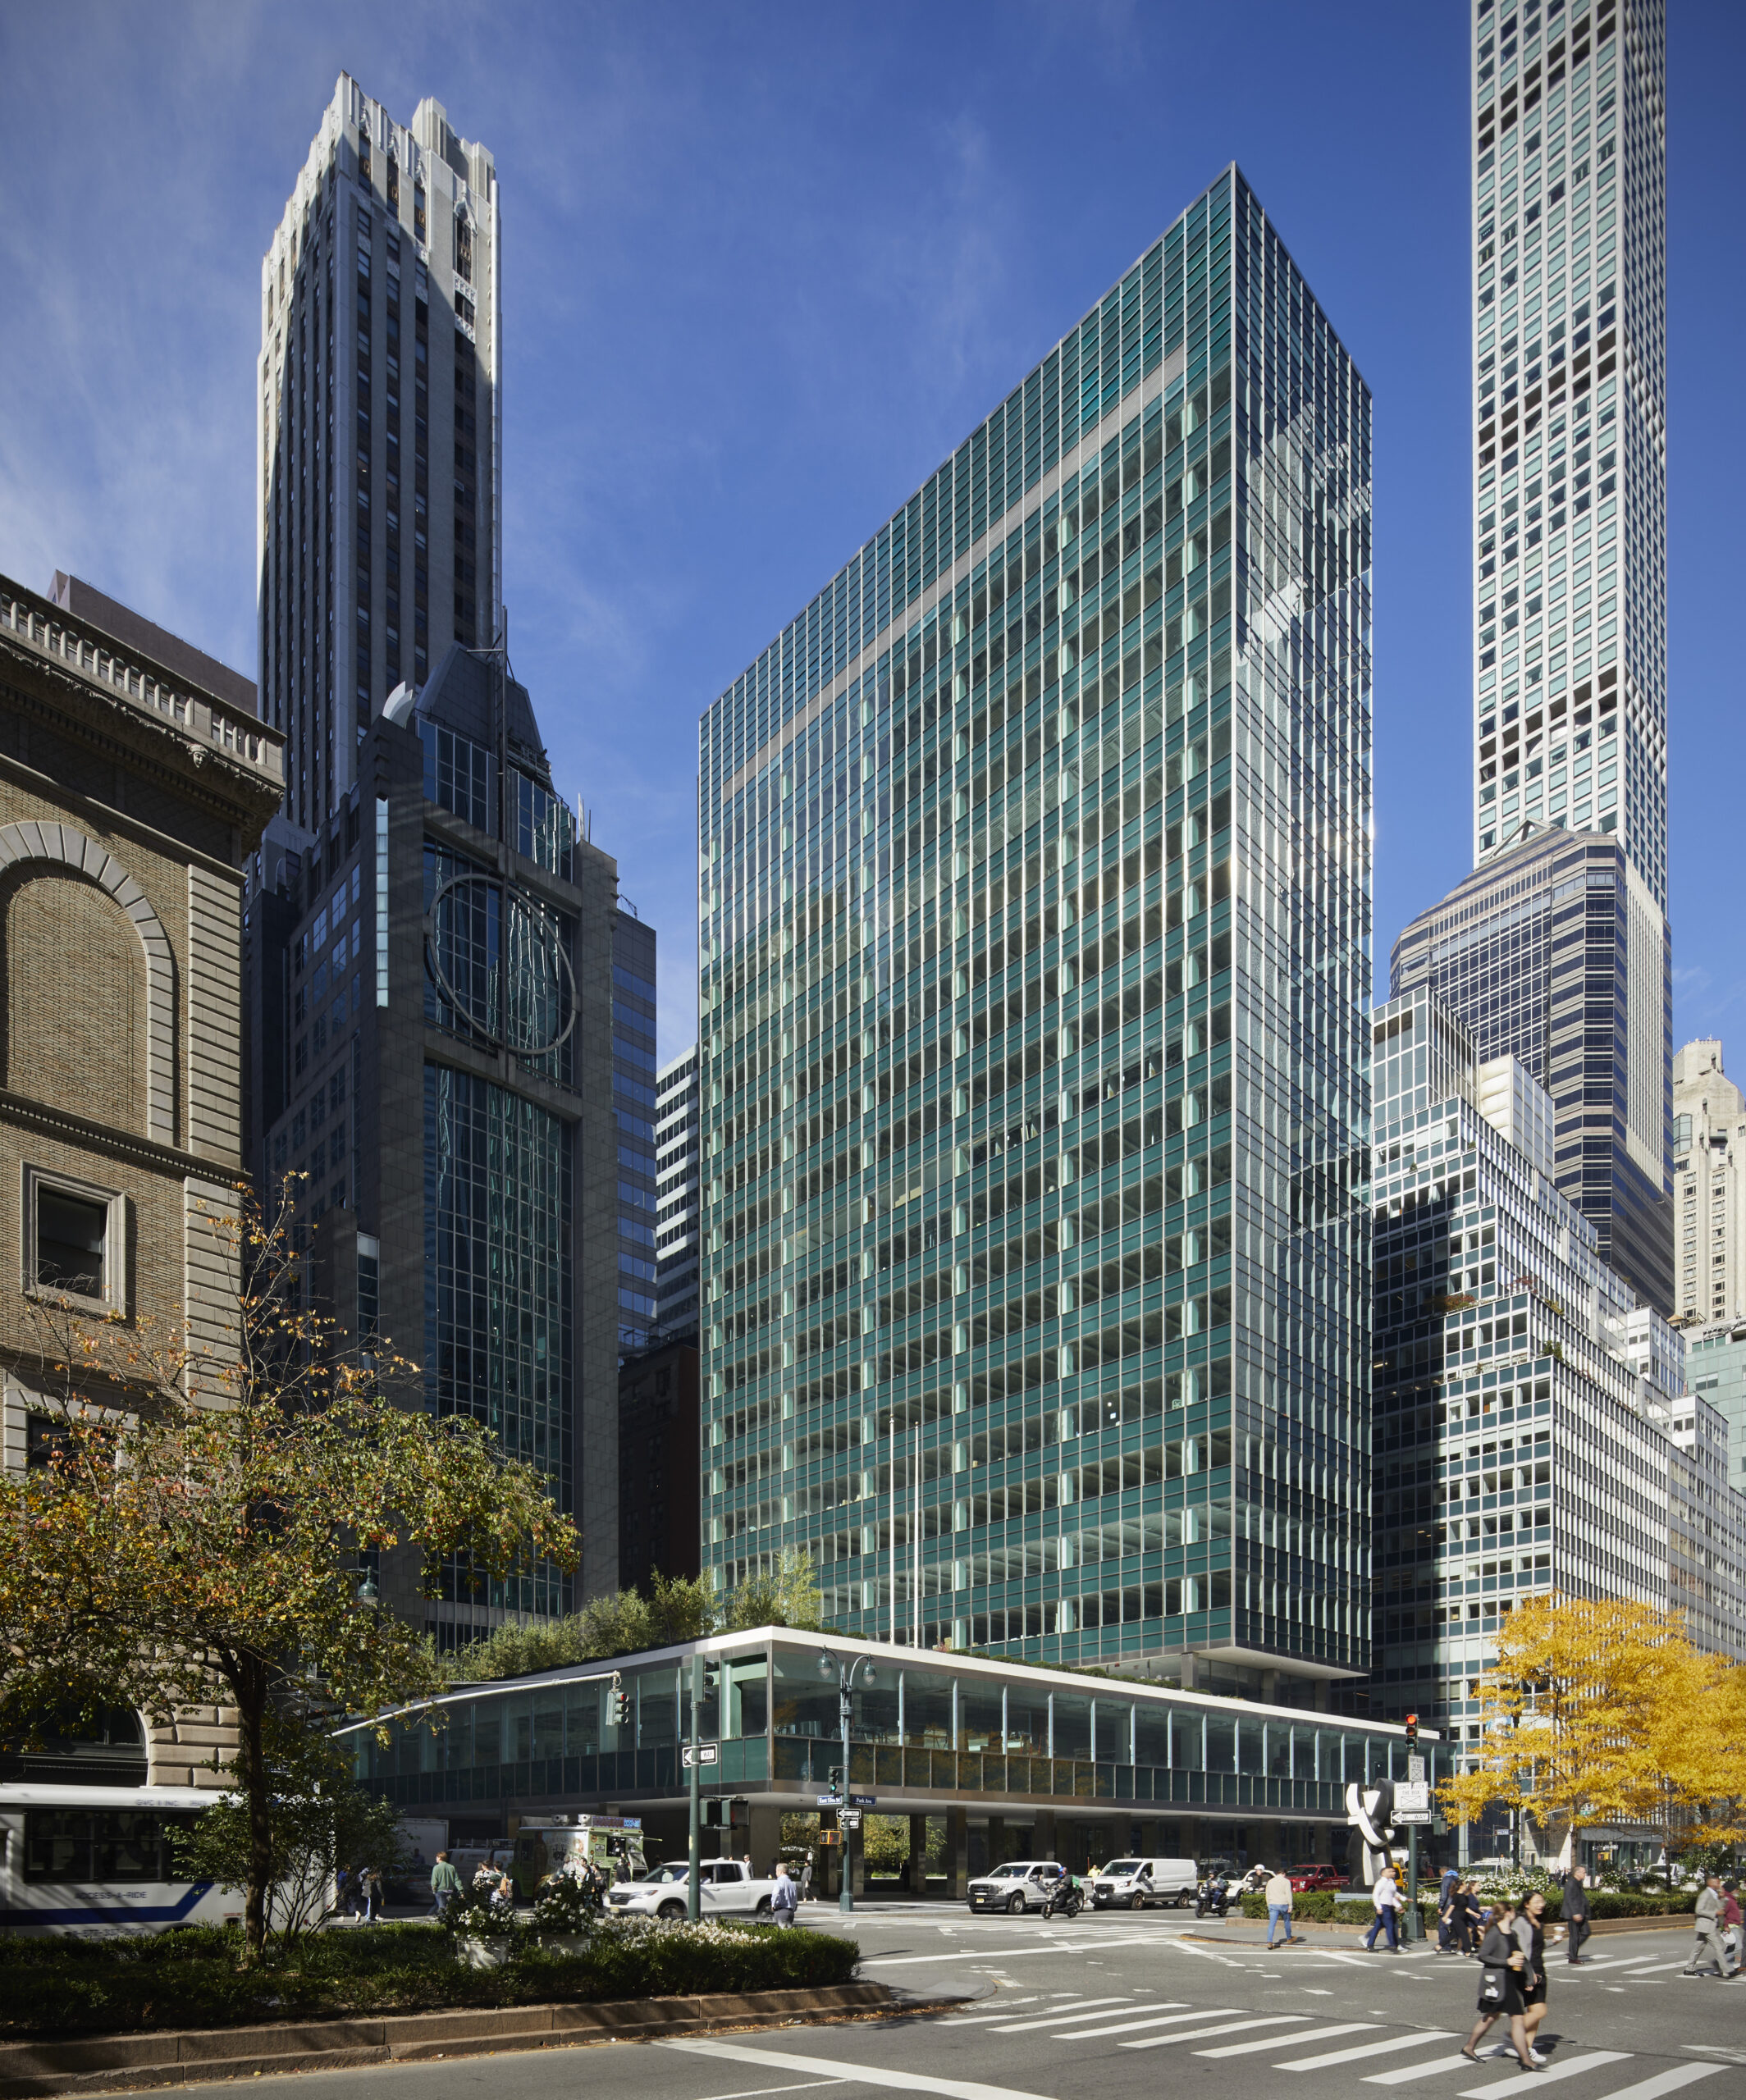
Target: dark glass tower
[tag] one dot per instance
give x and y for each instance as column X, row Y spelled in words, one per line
column 1555, row 954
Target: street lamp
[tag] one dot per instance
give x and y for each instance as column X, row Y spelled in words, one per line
column 848, row 1675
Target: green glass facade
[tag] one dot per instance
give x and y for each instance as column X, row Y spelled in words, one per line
column 959, row 1730
column 1035, row 935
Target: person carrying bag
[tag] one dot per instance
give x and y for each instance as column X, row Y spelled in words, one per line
column 1501, row 1987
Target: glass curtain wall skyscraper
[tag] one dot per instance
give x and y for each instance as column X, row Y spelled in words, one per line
column 378, row 449
column 1569, row 607
column 1034, row 919
column 1569, row 423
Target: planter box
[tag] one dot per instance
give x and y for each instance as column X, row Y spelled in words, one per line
column 100, row 2063
column 483, row 1953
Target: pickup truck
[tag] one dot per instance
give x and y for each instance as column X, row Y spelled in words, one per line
column 1019, row 1885
column 725, row 1888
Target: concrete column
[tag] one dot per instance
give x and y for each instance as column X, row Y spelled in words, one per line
column 763, row 1833
column 997, row 1841
column 918, row 1856
column 1044, row 1839
column 957, row 1854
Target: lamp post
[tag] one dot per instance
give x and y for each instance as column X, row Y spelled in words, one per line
column 848, row 1676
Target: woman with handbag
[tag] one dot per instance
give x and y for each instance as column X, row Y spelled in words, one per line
column 1530, row 1932
column 1502, row 1964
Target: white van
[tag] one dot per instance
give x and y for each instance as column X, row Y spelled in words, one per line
column 1134, row 1883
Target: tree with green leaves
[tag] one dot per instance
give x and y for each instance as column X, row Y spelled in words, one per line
column 321, row 1819
column 199, row 1535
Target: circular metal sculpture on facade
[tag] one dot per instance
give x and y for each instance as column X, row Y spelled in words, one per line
column 512, row 950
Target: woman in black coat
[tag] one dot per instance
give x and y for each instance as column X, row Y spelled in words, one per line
column 1501, row 1987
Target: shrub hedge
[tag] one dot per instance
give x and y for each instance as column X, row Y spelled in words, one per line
column 194, row 1978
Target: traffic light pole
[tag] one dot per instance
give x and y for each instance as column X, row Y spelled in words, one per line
column 846, row 1898
column 693, row 1891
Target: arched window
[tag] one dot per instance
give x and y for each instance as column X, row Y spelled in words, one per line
column 104, row 1750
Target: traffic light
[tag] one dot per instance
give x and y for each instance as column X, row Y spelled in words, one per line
column 835, row 1780
column 619, row 1705
column 1412, row 1730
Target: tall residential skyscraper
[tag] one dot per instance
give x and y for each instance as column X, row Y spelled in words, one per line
column 633, row 1108
column 1554, row 952
column 1569, row 424
column 1709, row 1166
column 677, row 1194
column 377, row 458
column 1034, row 916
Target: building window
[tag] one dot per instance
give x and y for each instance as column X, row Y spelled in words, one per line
column 72, row 1239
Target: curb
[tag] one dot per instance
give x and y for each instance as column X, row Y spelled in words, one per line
column 33, row 2069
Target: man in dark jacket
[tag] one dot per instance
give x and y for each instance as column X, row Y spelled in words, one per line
column 1576, row 1912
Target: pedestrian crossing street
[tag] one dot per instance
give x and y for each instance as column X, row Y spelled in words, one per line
column 1307, row 2043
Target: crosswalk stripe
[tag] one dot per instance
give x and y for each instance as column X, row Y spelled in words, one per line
column 1060, row 2012
column 1668, row 2081
column 1434, row 2068
column 1566, row 2067
column 1201, row 2033
column 1368, row 2049
column 1272, row 2041
column 1071, row 2033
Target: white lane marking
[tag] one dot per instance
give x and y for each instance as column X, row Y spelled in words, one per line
column 1204, row 1954
column 1567, row 2067
column 757, row 2092
column 998, row 1953
column 1655, row 1968
column 852, row 2073
column 1368, row 2049
column 1435, row 2068
column 1057, row 2013
column 1272, row 2041
column 1081, row 2034
column 1667, row 2081
column 1231, row 2027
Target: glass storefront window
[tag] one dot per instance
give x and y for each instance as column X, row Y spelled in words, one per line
column 581, row 1724
column 1221, row 1744
column 657, row 1707
column 1072, row 1725
column 1278, row 1749
column 1151, row 1734
column 1249, row 1746
column 1027, row 1720
column 748, row 1695
column 1188, row 1742
column 981, row 1716
column 927, row 1710
column 875, row 1717
column 803, row 1703
column 1115, row 1721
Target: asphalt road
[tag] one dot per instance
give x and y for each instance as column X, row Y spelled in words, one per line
column 1116, row 2006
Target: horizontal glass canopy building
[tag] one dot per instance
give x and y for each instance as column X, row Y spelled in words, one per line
column 1015, row 1759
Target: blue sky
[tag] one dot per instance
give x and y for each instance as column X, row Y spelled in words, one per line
column 764, row 266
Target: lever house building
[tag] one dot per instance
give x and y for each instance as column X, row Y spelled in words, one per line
column 1034, row 919
column 1014, row 1761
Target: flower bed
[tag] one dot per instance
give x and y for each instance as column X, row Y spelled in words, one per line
column 193, row 1978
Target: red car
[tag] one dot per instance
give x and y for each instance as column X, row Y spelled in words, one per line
column 1312, row 1876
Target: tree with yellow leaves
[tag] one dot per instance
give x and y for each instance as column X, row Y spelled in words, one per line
column 1600, row 1711
column 198, row 1536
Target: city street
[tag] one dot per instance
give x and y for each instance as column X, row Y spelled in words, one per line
column 1125, row 2004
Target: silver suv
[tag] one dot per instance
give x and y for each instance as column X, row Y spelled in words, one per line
column 1019, row 1885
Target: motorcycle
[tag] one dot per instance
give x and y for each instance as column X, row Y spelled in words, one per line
column 1066, row 1897
column 1212, row 1895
